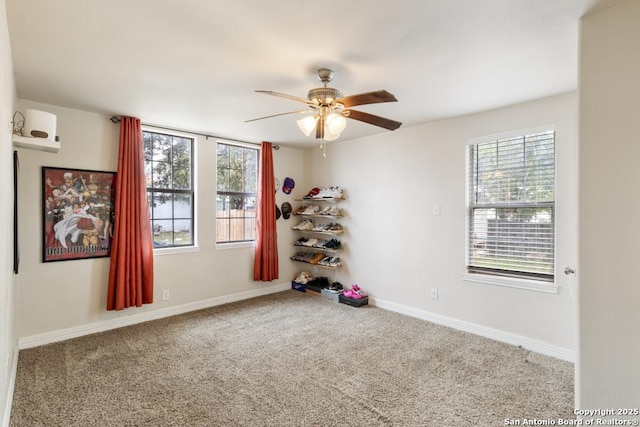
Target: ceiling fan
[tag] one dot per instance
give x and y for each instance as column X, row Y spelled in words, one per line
column 328, row 108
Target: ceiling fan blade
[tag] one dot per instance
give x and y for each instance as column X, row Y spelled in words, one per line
column 284, row 95
column 372, row 119
column 281, row 114
column 367, row 98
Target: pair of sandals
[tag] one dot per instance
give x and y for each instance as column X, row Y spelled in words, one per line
column 355, row 292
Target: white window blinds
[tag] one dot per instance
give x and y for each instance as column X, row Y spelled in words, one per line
column 511, row 206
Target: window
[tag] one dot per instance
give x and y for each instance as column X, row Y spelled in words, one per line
column 168, row 167
column 236, row 193
column 511, row 206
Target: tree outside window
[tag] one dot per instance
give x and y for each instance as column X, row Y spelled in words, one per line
column 237, row 188
column 169, row 181
column 511, row 185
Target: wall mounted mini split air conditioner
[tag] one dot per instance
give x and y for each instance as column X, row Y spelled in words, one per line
column 38, row 132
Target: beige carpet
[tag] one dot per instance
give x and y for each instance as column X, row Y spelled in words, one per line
column 287, row 359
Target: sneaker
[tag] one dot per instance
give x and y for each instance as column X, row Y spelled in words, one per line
column 300, row 210
column 355, row 292
column 321, row 244
column 311, row 210
column 333, row 244
column 325, row 261
column 351, row 294
column 322, row 227
column 301, row 224
column 321, row 194
column 335, row 192
column 312, row 193
column 326, row 210
column 334, row 211
column 308, row 226
column 311, row 242
column 304, row 225
column 335, row 286
column 358, row 290
column 316, row 258
column 335, row 228
column 303, row 277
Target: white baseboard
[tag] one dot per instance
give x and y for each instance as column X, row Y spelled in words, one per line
column 10, row 388
column 92, row 328
column 496, row 334
column 484, row 331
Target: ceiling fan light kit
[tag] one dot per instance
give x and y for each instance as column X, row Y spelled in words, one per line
column 335, row 123
column 307, row 124
column 329, row 109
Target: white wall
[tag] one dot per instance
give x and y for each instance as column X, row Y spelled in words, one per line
column 397, row 249
column 68, row 298
column 609, row 209
column 8, row 344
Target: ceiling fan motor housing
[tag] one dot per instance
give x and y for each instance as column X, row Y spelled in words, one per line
column 324, row 96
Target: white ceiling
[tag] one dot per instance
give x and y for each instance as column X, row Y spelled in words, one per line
column 194, row 64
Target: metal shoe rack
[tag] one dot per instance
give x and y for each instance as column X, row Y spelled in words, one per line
column 314, row 211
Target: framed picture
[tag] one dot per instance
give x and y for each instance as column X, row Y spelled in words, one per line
column 78, row 213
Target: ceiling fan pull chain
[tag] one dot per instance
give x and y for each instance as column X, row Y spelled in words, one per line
column 323, row 147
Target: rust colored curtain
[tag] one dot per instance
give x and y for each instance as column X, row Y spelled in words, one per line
column 265, row 266
column 131, row 269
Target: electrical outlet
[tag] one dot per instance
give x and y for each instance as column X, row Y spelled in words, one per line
column 165, row 294
column 436, row 209
column 434, row 293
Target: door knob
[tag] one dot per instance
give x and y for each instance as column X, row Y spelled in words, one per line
column 568, row 271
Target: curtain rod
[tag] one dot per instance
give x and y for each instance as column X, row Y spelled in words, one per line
column 116, row 119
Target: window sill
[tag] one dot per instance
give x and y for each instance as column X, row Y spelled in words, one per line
column 531, row 285
column 234, row 245
column 172, row 251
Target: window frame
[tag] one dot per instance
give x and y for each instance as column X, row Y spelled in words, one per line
column 231, row 244
column 191, row 192
column 529, row 281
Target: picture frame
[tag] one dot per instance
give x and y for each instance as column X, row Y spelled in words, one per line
column 78, row 209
